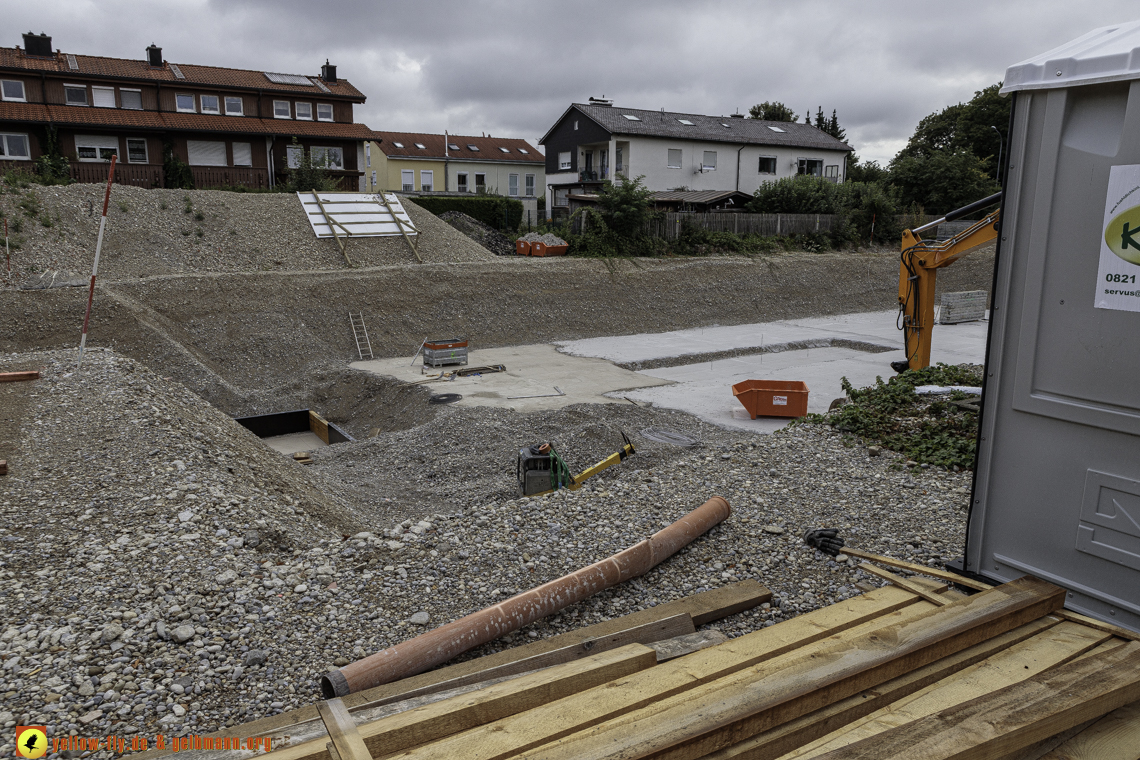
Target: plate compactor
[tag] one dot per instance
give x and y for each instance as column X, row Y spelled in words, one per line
column 541, row 470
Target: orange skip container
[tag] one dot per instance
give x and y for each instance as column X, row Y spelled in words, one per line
column 522, row 247
column 542, row 249
column 772, row 398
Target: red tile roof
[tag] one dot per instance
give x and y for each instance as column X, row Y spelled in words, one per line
column 36, row 113
column 489, row 147
column 99, row 66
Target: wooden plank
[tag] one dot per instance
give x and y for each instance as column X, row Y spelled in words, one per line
column 318, row 425
column 671, row 649
column 723, row 713
column 914, row 567
column 345, row 739
column 903, row 583
column 703, row 608
column 450, row 716
column 1054, row 647
column 1008, row 720
column 17, row 377
column 1116, row 736
column 770, row 646
column 796, row 733
column 1100, row 625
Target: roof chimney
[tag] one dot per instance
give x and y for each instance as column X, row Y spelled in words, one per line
column 600, row 101
column 154, row 56
column 38, row 45
column 328, row 72
column 736, row 116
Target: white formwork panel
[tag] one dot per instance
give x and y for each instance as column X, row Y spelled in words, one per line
column 355, row 214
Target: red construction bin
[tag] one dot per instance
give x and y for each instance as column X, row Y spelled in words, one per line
column 542, row 249
column 772, row 398
column 522, row 247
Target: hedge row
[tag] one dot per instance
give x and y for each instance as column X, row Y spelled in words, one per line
column 498, row 212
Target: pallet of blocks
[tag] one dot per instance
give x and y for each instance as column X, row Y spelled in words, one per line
column 912, row 669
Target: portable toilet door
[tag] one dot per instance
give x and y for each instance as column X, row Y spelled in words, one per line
column 1057, row 486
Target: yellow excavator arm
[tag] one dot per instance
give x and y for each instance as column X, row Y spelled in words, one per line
column 919, row 263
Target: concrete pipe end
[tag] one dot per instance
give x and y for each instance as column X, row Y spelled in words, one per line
column 334, row 684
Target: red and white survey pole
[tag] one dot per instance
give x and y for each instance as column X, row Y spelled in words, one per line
column 7, row 252
column 95, row 267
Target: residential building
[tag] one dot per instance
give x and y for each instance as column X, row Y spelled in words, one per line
column 593, row 142
column 410, row 162
column 232, row 126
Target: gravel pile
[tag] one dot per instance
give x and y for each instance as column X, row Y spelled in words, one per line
column 482, row 233
column 157, row 232
column 546, row 239
column 164, row 570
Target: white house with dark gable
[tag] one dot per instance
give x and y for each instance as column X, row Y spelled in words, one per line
column 592, row 142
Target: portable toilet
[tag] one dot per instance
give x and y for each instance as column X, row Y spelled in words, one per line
column 1057, row 487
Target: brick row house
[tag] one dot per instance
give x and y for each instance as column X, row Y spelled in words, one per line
column 233, row 127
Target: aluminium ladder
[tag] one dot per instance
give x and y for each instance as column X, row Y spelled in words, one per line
column 360, row 332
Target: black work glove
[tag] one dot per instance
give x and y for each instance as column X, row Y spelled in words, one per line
column 827, row 540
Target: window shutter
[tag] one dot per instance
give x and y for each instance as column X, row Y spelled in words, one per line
column 243, row 154
column 203, row 153
column 103, row 97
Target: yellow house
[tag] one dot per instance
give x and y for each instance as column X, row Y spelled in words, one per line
column 413, row 163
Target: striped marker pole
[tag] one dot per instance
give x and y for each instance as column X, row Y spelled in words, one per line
column 95, row 267
column 7, row 251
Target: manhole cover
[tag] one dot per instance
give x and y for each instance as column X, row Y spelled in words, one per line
column 445, row 398
column 669, row 436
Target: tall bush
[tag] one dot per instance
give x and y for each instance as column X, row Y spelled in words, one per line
column 499, row 212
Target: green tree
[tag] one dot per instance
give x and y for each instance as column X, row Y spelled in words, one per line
column 871, row 171
column 798, row 194
column 626, row 205
column 979, row 127
column 307, row 176
column 833, row 128
column 941, row 182
column 772, row 111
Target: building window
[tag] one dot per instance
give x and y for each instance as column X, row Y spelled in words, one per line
column 96, row 147
column 453, row 146
column 831, row 171
column 324, row 112
column 368, row 154
column 421, row 146
column 811, row 166
column 708, row 163
column 426, row 180
column 564, row 160
column 103, row 97
column 243, row 154
column 209, row 103
column 480, row 183
column 293, row 155
column 328, row 158
column 75, row 94
column 461, row 178
column 505, row 150
column 524, row 151
column 674, row 158
column 131, row 99
column 619, row 156
column 408, row 180
column 185, row 102
column 14, row 146
column 13, row 89
column 136, row 150
column 561, row 197
column 473, row 147
column 767, row 165
column 530, row 186
column 513, row 185
column 575, row 124
column 304, row 111
column 282, row 110
column 206, row 153
column 398, row 145
column 234, row 107
column 373, row 179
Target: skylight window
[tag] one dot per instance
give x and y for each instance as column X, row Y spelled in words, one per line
column 686, row 122
column 630, row 116
column 472, row 147
column 776, row 129
column 725, row 125
column 524, row 151
column 453, row 146
column 398, row 145
column 505, row 150
column 421, row 146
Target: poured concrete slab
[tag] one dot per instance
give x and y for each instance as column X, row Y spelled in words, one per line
column 533, row 370
column 291, row 443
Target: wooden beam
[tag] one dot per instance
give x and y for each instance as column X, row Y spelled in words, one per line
column 399, row 223
column 757, row 699
column 1100, row 625
column 16, row 377
column 345, row 743
column 1116, row 736
column 914, row 567
column 1010, row 719
column 904, row 583
column 451, row 716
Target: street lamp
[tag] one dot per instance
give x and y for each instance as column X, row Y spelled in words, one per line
column 1001, row 142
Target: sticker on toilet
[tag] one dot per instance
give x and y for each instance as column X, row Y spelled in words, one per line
column 779, row 401
column 1118, row 279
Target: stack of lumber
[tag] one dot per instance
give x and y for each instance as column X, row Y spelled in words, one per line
column 909, row 670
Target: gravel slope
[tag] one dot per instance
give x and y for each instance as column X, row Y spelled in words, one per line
column 161, row 569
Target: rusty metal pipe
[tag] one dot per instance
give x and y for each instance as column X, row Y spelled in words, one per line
column 442, row 644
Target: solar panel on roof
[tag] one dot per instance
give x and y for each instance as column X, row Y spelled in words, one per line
column 288, row 79
column 72, row 63
column 177, row 71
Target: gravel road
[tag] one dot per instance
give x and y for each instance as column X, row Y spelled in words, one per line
column 163, row 570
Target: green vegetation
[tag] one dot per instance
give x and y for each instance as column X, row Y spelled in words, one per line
column 497, row 211
column 862, row 205
column 926, row 429
column 176, row 172
column 774, row 111
column 617, row 226
column 308, row 176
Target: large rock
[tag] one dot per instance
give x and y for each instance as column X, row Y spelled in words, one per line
column 182, row 634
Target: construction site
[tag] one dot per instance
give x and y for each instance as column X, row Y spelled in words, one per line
column 372, row 494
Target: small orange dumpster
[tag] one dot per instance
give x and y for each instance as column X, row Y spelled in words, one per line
column 522, row 247
column 772, row 398
column 542, row 249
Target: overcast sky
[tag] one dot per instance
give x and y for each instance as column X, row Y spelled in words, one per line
column 511, row 68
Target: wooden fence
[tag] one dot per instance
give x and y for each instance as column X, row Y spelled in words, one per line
column 669, row 226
